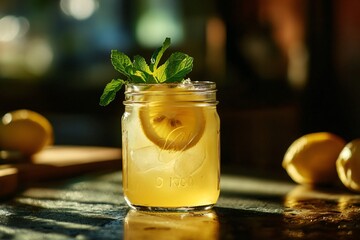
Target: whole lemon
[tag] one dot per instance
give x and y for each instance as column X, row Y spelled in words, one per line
column 348, row 165
column 25, row 131
column 311, row 159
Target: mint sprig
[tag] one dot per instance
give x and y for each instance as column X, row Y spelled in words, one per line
column 174, row 69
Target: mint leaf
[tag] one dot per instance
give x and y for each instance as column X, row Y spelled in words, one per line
column 175, row 68
column 140, row 64
column 141, row 69
column 120, row 61
column 155, row 58
column 110, row 91
column 138, row 76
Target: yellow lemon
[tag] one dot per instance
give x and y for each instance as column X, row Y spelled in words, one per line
column 25, row 131
column 311, row 159
column 348, row 165
column 169, row 121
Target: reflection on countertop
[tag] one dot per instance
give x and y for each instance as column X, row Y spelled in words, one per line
column 250, row 207
column 144, row 225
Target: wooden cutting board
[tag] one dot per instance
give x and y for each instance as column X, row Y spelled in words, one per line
column 57, row 162
column 8, row 180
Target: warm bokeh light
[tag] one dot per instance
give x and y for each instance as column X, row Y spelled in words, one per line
column 158, row 22
column 12, row 27
column 25, row 59
column 215, row 46
column 288, row 29
column 40, row 50
column 22, row 54
column 79, row 9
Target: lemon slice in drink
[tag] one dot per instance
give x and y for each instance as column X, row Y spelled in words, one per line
column 171, row 123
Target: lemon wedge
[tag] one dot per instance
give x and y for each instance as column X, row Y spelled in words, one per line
column 169, row 121
column 25, row 131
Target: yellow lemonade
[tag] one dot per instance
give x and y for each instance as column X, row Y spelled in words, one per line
column 171, row 152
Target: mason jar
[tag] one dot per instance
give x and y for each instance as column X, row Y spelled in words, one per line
column 171, row 146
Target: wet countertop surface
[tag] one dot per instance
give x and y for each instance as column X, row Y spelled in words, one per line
column 92, row 207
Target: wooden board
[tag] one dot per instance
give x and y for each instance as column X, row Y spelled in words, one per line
column 8, row 180
column 55, row 163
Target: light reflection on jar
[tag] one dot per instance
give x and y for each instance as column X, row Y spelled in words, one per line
column 156, row 225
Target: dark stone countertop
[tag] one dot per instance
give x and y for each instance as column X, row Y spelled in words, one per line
column 92, row 207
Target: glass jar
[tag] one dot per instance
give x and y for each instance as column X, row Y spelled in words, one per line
column 171, row 146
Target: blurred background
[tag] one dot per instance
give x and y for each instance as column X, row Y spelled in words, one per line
column 283, row 67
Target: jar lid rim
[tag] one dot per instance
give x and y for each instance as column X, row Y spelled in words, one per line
column 194, row 83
